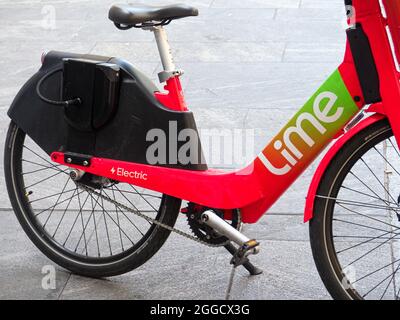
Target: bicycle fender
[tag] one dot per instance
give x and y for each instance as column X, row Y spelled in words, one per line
column 319, row 173
column 126, row 134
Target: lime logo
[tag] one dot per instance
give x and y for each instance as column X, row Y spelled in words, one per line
column 320, row 117
column 121, row 172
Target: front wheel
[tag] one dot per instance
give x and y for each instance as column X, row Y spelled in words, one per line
column 76, row 229
column 355, row 232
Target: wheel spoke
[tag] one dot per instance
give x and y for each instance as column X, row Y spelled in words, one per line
column 63, row 215
column 392, row 278
column 368, row 217
column 130, row 202
column 367, row 241
column 95, row 226
column 377, row 179
column 370, row 251
column 53, row 195
column 117, row 214
column 39, row 156
column 360, row 204
column 394, row 147
column 386, row 160
column 77, row 216
column 374, row 272
column 362, row 237
column 107, row 213
column 365, row 185
column 46, row 179
column 57, row 203
column 123, row 213
column 52, row 167
column 49, row 208
column 85, row 225
column 105, row 224
column 137, row 192
column 359, row 225
column 368, row 195
column 40, row 170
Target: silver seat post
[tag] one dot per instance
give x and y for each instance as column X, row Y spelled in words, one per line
column 164, row 49
column 165, row 52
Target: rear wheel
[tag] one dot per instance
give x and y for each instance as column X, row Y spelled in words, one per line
column 355, row 232
column 76, row 229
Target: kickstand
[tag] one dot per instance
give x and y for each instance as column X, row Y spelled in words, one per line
column 252, row 269
column 230, row 284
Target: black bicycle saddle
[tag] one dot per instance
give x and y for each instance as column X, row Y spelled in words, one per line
column 135, row 14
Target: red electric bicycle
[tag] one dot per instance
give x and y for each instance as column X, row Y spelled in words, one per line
column 89, row 195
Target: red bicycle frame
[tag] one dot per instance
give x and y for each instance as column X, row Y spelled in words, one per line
column 257, row 187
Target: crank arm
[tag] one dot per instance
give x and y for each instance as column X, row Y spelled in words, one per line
column 215, row 222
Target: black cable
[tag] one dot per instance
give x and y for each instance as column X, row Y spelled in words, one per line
column 65, row 103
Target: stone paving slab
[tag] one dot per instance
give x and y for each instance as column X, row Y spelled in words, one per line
column 181, row 270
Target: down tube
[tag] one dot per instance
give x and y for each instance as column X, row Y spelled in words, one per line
column 301, row 141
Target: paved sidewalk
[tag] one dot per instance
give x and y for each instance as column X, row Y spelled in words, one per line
column 249, row 64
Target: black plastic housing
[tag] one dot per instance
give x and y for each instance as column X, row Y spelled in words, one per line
column 365, row 64
column 121, row 136
column 97, row 86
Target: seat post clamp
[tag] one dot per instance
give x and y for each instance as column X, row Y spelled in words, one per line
column 164, row 76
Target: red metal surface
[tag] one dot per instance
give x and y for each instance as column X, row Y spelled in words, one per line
column 174, row 98
column 211, row 188
column 368, row 13
column 392, row 8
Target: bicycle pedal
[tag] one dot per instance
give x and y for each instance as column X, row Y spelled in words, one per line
column 251, row 247
column 241, row 255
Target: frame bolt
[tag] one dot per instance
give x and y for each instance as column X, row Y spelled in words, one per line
column 85, row 163
column 69, row 160
column 76, row 175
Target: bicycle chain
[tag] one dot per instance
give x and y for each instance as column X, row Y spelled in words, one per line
column 149, row 219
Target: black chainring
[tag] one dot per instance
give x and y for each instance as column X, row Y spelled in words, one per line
column 204, row 232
